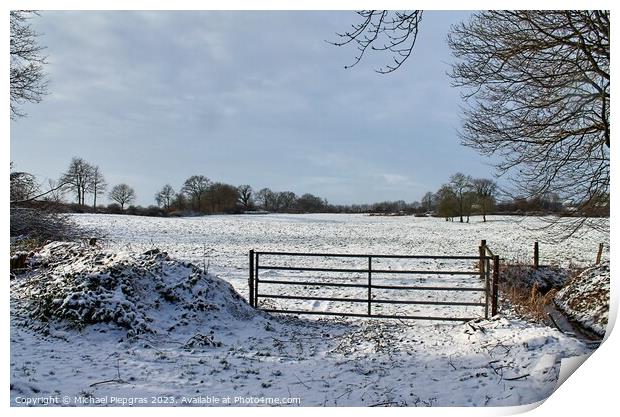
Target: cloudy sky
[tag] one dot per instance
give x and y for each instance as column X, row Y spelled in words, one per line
column 253, row 98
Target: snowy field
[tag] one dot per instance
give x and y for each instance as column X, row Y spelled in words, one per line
column 193, row 341
column 223, row 243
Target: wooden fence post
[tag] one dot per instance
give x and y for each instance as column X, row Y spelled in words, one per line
column 251, row 279
column 536, row 259
column 483, row 274
column 495, row 285
column 599, row 254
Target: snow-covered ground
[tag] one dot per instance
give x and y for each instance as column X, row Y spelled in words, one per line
column 586, row 298
column 164, row 333
column 223, row 242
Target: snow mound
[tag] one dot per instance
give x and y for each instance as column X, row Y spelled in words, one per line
column 143, row 293
column 585, row 299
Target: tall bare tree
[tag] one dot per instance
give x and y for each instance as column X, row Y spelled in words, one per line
column 28, row 83
column 461, row 184
column 537, row 89
column 286, row 201
column 78, row 178
column 96, row 184
column 165, row 196
column 267, row 199
column 245, row 196
column 485, row 191
column 122, row 194
column 196, row 187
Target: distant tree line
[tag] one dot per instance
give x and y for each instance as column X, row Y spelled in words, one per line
column 460, row 198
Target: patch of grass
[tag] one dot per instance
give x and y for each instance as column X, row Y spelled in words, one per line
column 531, row 291
column 529, row 303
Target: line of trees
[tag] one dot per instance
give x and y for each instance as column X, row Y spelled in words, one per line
column 198, row 194
column 461, row 197
column 81, row 179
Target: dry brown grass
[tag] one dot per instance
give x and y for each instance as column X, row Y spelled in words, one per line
column 530, row 304
column 527, row 300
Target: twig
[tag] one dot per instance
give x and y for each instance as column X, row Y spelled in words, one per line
column 119, row 381
column 301, row 382
column 516, row 377
column 382, row 404
column 450, row 362
column 554, row 323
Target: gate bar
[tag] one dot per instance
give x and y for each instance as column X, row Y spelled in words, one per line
column 381, row 316
column 358, row 255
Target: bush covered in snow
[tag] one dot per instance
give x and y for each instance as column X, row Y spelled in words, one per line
column 40, row 225
column 85, row 285
column 585, row 298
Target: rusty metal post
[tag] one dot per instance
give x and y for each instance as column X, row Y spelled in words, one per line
column 251, row 279
column 536, row 259
column 495, row 285
column 369, row 285
column 256, row 280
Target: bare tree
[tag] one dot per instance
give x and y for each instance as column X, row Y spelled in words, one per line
column 309, row 203
column 96, row 184
column 485, row 191
column 383, row 30
column 536, row 84
column 245, row 197
column 267, row 199
column 286, row 201
column 196, row 187
column 460, row 184
column 28, row 82
column 427, row 202
column 78, row 178
column 165, row 196
column 122, row 194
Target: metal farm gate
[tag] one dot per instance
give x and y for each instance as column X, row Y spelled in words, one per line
column 279, row 278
